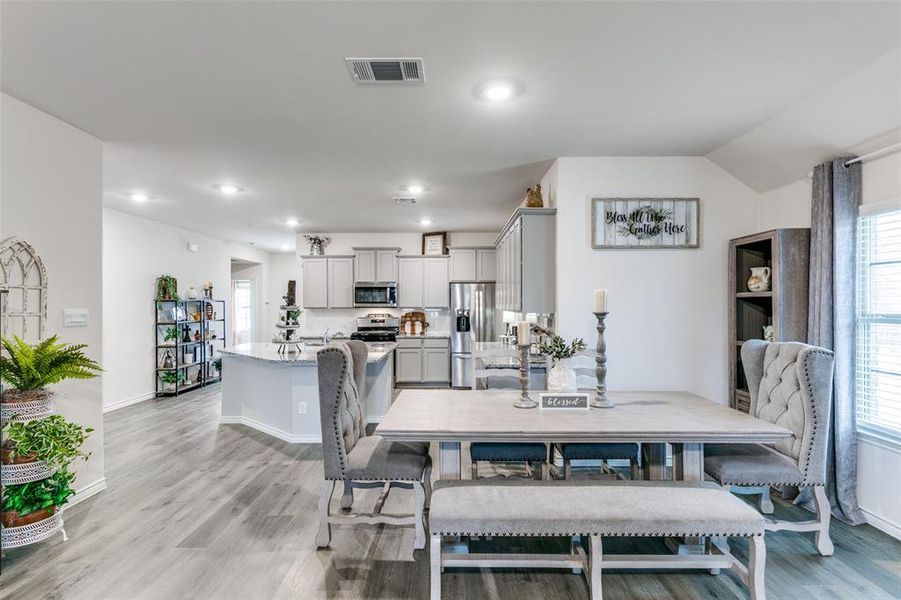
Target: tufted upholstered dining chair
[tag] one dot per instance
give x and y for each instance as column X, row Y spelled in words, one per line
column 791, row 385
column 358, row 460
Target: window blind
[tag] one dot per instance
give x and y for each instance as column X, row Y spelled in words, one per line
column 879, row 323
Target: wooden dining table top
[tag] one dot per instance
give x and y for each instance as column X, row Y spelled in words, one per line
column 451, row 415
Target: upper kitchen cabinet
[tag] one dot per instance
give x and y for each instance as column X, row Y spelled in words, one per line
column 328, row 281
column 472, row 264
column 525, row 261
column 375, row 264
column 422, row 281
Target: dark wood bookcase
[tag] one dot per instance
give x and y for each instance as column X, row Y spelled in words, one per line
column 786, row 252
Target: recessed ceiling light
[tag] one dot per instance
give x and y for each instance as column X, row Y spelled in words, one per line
column 139, row 196
column 498, row 91
column 425, row 222
column 292, row 222
column 229, row 189
column 414, row 188
column 285, row 246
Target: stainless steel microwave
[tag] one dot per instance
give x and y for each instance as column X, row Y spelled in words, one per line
column 375, row 293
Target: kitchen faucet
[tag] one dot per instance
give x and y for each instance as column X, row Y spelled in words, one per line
column 326, row 338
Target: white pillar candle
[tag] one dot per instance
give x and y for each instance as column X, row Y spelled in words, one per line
column 600, row 301
column 523, row 329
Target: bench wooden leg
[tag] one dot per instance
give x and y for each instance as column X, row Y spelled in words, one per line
column 756, row 567
column 474, row 472
column 419, row 524
column 824, row 514
column 324, row 537
column 435, row 572
column 596, row 551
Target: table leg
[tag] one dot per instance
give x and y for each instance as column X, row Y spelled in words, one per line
column 653, row 461
column 688, row 465
column 449, row 460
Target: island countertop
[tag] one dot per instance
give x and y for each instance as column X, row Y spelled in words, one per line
column 268, row 352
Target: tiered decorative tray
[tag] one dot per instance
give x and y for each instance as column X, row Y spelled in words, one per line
column 288, row 325
column 15, row 474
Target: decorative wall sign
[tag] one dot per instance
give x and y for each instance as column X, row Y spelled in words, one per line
column 563, row 401
column 645, row 223
column 434, row 244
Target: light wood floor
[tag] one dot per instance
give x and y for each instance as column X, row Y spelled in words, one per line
column 199, row 510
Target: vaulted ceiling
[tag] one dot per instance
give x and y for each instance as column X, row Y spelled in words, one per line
column 189, row 94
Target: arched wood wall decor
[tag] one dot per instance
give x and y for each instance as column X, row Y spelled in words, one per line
column 22, row 273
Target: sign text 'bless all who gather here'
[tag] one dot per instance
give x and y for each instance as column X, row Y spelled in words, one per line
column 645, row 223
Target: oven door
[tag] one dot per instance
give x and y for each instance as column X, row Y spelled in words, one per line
column 375, row 294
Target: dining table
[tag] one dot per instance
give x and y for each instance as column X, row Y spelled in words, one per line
column 687, row 421
column 654, row 419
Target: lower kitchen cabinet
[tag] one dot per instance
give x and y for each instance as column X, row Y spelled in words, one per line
column 422, row 360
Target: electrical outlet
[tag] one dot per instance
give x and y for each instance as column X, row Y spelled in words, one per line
column 301, row 408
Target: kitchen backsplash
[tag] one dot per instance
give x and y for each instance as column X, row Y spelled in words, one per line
column 316, row 321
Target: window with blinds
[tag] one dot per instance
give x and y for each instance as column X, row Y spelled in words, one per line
column 879, row 323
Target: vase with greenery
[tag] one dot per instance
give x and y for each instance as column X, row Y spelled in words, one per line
column 28, row 503
column 53, row 440
column 28, row 369
column 171, row 378
column 166, row 288
column 171, row 335
column 217, row 364
column 561, row 377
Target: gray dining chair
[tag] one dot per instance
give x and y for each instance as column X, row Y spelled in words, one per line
column 790, row 385
column 358, row 460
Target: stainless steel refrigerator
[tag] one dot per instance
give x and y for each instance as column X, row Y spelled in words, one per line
column 472, row 320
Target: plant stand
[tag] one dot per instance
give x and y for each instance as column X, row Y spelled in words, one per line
column 16, row 537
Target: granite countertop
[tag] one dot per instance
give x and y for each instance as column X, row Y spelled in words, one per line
column 268, row 352
column 427, row 334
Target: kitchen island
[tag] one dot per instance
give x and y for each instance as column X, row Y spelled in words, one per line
column 278, row 394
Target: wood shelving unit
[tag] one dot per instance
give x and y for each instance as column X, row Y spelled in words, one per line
column 786, row 253
column 191, row 356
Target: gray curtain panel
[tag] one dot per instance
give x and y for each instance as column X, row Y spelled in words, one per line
column 831, row 319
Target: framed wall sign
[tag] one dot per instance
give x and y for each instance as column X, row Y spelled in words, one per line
column 434, row 243
column 658, row 223
column 563, row 401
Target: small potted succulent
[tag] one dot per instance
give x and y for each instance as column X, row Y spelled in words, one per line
column 29, row 369
column 561, row 377
column 28, row 503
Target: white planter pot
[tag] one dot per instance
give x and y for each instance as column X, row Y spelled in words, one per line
column 562, row 377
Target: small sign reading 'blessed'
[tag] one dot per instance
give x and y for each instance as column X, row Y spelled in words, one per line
column 561, row 401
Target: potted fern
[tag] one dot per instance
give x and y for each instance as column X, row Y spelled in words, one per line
column 561, row 377
column 29, row 369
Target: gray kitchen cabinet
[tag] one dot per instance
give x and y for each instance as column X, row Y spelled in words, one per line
column 486, row 264
column 408, row 365
column 341, row 282
column 526, row 258
column 375, row 264
column 422, row 360
column 435, row 290
column 472, row 264
column 409, row 282
column 315, row 282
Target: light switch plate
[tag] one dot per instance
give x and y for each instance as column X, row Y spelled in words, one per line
column 75, row 317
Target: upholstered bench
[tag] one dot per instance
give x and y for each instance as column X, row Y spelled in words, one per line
column 597, row 510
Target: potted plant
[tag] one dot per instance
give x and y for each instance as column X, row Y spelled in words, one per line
column 166, row 288
column 170, row 337
column 29, row 503
column 171, row 378
column 53, row 440
column 29, row 369
column 561, row 377
column 217, row 364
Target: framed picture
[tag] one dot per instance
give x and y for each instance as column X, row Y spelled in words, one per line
column 649, row 223
column 434, row 244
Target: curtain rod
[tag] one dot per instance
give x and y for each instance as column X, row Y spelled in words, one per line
column 875, row 153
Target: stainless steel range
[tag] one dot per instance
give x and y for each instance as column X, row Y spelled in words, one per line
column 376, row 327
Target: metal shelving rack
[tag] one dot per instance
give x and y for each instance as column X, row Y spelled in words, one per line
column 203, row 321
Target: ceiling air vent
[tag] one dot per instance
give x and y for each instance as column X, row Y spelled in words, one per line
column 402, row 200
column 386, row 70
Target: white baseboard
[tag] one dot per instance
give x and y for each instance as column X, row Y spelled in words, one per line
column 127, row 402
column 86, row 491
column 269, row 430
column 881, row 524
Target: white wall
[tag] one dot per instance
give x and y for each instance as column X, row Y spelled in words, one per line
column 135, row 252
column 668, row 308
column 409, row 243
column 51, row 192
column 879, row 463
